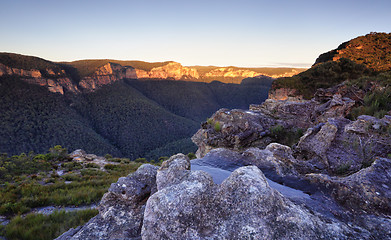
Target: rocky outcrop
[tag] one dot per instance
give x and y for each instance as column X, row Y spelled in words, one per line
column 81, row 156
column 367, row 190
column 346, row 146
column 233, row 72
column 234, row 129
column 343, row 89
column 240, row 129
column 121, row 209
column 5, row 70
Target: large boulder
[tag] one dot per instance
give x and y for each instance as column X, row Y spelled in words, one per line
column 121, row 209
column 243, row 206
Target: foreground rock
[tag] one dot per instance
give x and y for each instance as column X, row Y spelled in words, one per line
column 121, row 209
column 173, row 202
column 242, row 207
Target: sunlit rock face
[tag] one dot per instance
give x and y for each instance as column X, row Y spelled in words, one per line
column 172, row 70
column 231, row 72
column 107, row 74
column 56, row 82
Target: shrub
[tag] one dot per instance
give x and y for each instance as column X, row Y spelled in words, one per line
column 92, row 165
column 163, row 158
column 125, row 160
column 141, row 160
column 71, row 166
column 57, row 153
column 217, row 127
column 110, row 166
column 191, row 155
column 71, row 177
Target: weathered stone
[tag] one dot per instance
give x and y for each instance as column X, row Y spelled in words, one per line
column 121, row 209
column 345, row 91
column 238, row 130
column 290, row 113
column 172, row 171
column 341, row 143
column 318, row 142
column 77, row 153
column 367, row 189
column 90, row 157
column 336, row 107
column 243, row 206
column 275, row 157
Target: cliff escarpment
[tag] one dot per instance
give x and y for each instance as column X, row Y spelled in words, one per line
column 90, row 75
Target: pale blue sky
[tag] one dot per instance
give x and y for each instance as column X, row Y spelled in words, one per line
column 241, row 33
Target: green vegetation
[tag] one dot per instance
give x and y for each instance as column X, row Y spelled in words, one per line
column 324, row 75
column 197, row 101
column 191, row 156
column 29, row 181
column 33, row 119
column 377, row 101
column 131, row 118
column 217, row 126
column 287, row 137
column 372, row 50
column 42, row 227
column 132, row 122
column 32, row 180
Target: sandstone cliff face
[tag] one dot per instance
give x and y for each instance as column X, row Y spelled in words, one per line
column 231, row 72
column 56, row 82
column 172, row 70
column 107, row 74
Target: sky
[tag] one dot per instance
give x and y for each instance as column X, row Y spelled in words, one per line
column 246, row 33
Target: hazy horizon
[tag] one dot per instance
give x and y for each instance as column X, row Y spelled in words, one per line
column 219, row 33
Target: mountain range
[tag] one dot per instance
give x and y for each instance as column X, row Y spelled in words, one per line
column 125, row 108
